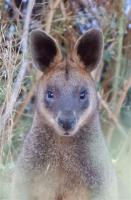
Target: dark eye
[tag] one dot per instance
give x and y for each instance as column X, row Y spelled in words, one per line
column 50, row 94
column 83, row 94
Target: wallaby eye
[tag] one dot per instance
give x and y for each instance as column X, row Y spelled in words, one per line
column 50, row 94
column 83, row 94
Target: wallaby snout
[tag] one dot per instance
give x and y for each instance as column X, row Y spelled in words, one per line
column 67, row 121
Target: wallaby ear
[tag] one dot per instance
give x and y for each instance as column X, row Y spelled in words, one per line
column 44, row 50
column 89, row 48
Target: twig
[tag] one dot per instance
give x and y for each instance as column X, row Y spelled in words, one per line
column 62, row 6
column 112, row 116
column 16, row 10
column 23, row 105
column 53, row 7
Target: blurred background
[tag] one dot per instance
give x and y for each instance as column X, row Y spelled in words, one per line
column 66, row 20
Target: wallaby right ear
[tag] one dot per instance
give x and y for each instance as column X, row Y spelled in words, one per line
column 44, row 50
column 89, row 49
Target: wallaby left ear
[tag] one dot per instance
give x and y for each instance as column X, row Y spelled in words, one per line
column 89, row 48
column 44, row 50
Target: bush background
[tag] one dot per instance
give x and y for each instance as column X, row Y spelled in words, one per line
column 65, row 20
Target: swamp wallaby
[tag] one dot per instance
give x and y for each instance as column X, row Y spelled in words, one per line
column 64, row 155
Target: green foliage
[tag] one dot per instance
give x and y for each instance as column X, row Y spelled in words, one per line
column 107, row 56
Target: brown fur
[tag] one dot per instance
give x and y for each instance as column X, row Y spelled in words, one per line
column 54, row 167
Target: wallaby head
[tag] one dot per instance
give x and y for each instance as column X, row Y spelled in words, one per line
column 66, row 96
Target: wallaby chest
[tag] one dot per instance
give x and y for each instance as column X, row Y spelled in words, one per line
column 56, row 184
column 61, row 171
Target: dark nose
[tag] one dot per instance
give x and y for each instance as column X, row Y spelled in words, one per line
column 67, row 123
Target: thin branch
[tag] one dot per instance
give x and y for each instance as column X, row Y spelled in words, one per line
column 23, row 105
column 16, row 10
column 53, row 7
column 63, row 10
column 112, row 116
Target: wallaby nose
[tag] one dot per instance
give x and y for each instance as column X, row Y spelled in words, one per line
column 67, row 124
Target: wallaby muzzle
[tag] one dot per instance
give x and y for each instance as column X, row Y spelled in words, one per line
column 67, row 121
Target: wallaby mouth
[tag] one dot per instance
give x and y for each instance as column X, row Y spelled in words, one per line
column 66, row 134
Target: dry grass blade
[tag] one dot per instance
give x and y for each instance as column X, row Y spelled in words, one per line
column 9, row 62
column 25, row 62
column 123, row 95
